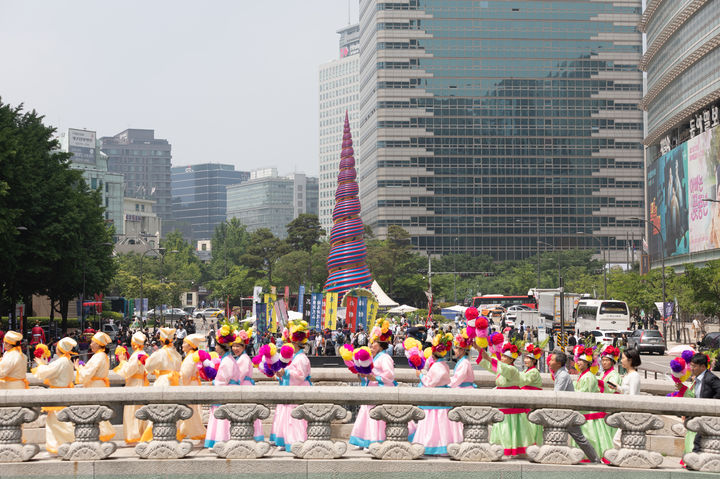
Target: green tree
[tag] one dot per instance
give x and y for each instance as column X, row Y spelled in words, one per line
column 304, row 232
column 229, row 245
column 264, row 250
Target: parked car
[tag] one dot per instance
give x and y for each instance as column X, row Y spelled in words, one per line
column 111, row 330
column 210, row 313
column 710, row 341
column 647, row 340
column 175, row 313
column 511, row 312
column 605, row 338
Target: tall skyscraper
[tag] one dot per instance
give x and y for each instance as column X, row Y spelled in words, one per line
column 502, row 127
column 199, row 197
column 682, row 158
column 338, row 94
column 144, row 161
column 93, row 163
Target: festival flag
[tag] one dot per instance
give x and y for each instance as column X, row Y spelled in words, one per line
column 331, row 311
column 272, row 318
column 286, row 297
column 261, row 318
column 362, row 313
column 301, row 296
column 351, row 313
column 281, row 314
column 372, row 313
column 257, row 298
column 307, row 308
column 316, row 310
column 323, row 319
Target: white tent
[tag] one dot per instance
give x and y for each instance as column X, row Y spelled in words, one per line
column 402, row 309
column 384, row 300
column 294, row 315
column 457, row 308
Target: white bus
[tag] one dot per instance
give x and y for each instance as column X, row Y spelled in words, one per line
column 600, row 314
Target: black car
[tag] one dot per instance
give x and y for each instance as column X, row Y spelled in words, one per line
column 710, row 341
column 647, row 340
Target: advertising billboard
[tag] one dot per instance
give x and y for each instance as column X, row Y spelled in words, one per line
column 704, row 179
column 81, row 143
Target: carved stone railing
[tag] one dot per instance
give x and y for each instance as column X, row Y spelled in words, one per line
column 320, row 405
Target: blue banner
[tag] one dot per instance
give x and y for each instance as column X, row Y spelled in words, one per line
column 261, row 318
column 316, row 311
column 301, row 293
column 362, row 313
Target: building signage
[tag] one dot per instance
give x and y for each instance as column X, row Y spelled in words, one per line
column 81, row 144
column 704, row 120
column 133, row 218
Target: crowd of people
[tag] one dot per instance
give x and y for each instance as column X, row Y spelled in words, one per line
column 176, row 358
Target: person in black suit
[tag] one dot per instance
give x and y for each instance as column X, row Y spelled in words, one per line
column 706, row 385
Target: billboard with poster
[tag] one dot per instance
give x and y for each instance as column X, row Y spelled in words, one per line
column 703, row 182
column 81, row 143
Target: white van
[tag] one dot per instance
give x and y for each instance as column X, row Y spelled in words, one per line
column 600, row 314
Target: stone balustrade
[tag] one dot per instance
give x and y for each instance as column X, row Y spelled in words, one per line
column 321, row 405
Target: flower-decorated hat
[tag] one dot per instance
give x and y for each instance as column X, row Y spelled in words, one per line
column 121, row 353
column 13, row 338
column 138, row 339
column 532, row 351
column 242, row 337
column 510, row 350
column 611, row 352
column 194, row 340
column 101, row 339
column 583, row 353
column 462, row 340
column 226, row 334
column 442, row 343
column 381, row 333
column 296, row 331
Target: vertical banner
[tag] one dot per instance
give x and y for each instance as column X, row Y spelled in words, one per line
column 316, row 311
column 286, row 296
column 257, row 298
column 323, row 317
column 301, row 296
column 307, row 309
column 372, row 313
column 281, row 314
column 261, row 319
column 331, row 311
column 362, row 313
column 273, row 290
column 351, row 313
column 272, row 319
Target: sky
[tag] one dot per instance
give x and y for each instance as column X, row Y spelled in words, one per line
column 223, row 81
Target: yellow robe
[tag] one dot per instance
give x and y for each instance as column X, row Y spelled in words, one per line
column 164, row 364
column 58, row 374
column 95, row 375
column 13, row 368
column 135, row 376
column 193, row 427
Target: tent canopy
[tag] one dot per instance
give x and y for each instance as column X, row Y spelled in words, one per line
column 384, row 300
column 402, row 309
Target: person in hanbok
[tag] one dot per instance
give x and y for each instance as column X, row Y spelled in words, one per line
column 191, row 428
column 595, row 429
column 94, row 374
column 530, row 380
column 164, row 364
column 60, row 373
column 245, row 371
column 436, row 430
column 366, row 430
column 515, row 433
column 219, row 429
column 13, row 364
column 609, row 380
column 463, row 375
column 133, row 370
column 287, row 430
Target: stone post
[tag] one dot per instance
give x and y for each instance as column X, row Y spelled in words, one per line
column 11, row 447
column 633, row 451
column 241, row 444
column 396, row 445
column 87, row 445
column 475, row 446
column 164, row 444
column 555, row 449
column 318, row 444
column 708, row 459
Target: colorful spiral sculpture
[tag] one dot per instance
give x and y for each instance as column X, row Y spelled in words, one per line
column 346, row 261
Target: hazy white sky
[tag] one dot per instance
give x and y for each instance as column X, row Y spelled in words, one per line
column 224, row 81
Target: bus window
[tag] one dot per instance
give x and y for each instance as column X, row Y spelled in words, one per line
column 613, row 307
column 586, row 312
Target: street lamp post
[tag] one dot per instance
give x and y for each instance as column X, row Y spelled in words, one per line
column 604, row 252
column 662, row 265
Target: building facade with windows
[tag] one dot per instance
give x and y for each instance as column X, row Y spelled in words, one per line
column 338, row 80
column 199, row 197
column 144, row 161
column 93, row 163
column 267, row 200
column 682, row 101
column 488, row 127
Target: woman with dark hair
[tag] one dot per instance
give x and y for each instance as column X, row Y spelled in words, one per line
column 219, row 429
column 631, row 381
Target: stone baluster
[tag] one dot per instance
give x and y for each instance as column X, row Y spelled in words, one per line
column 633, row 451
column 396, row 445
column 87, row 445
column 555, row 449
column 476, row 445
column 708, row 459
column 241, row 444
column 164, row 418
column 318, row 444
column 11, row 447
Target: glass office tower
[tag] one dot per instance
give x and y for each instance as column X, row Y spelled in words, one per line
column 488, row 127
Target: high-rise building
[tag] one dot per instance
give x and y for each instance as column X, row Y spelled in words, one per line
column 338, row 94
column 144, row 161
column 682, row 159
column 199, row 197
column 93, row 163
column 502, row 127
column 269, row 201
